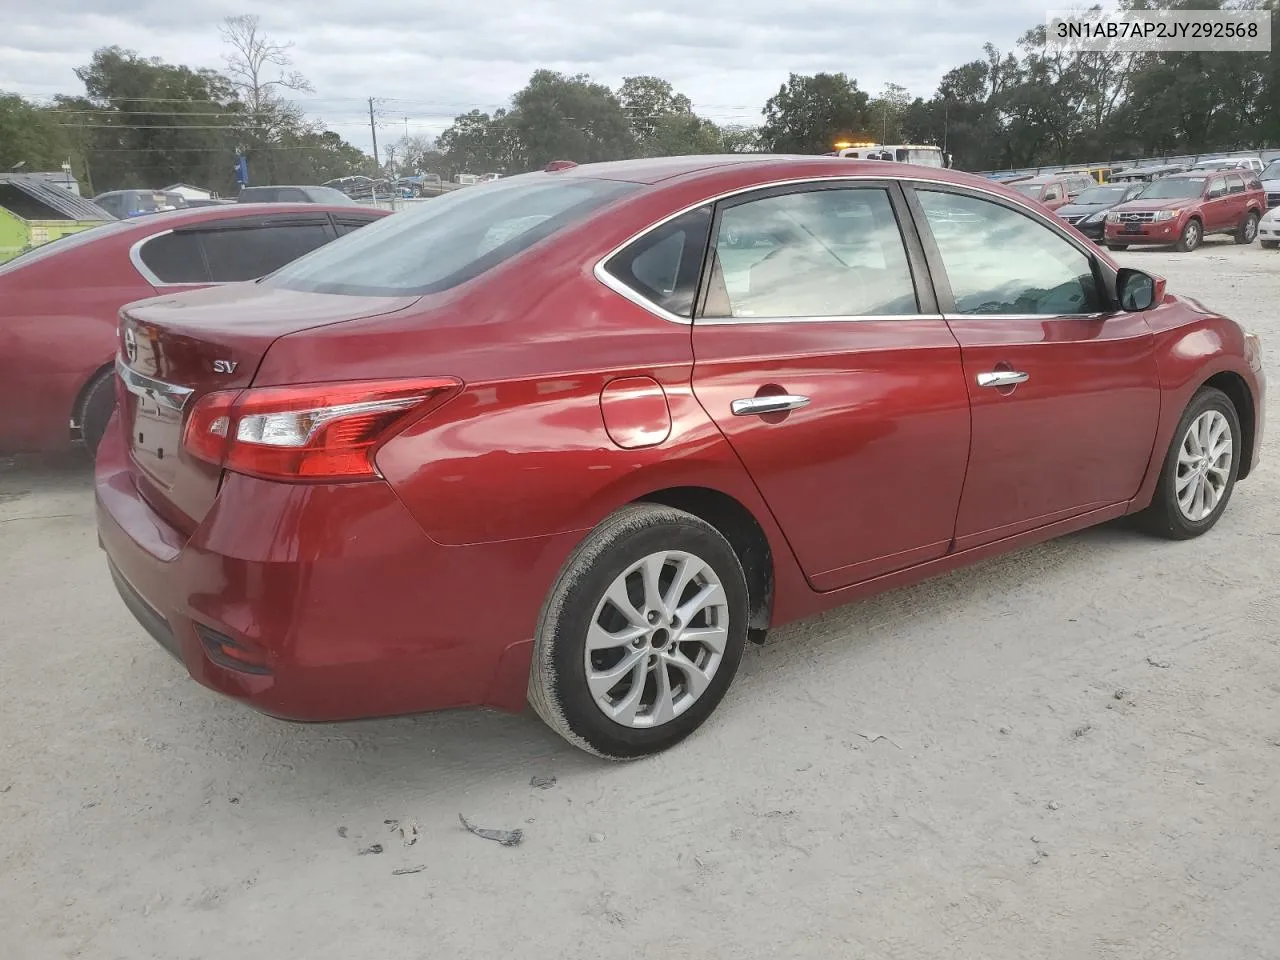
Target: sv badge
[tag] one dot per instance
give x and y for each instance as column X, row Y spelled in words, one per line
column 225, row 366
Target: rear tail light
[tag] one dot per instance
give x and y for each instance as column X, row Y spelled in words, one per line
column 322, row 431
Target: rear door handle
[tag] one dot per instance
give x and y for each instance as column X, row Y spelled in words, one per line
column 779, row 403
column 1002, row 378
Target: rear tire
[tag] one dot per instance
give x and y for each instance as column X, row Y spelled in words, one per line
column 1192, row 234
column 638, row 688
column 1248, row 231
column 96, row 407
column 1203, row 455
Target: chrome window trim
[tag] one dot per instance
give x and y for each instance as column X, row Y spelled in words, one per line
column 956, row 317
column 139, row 384
column 135, row 257
column 858, row 318
column 620, row 288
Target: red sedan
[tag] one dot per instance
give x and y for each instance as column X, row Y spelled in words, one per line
column 580, row 435
column 60, row 303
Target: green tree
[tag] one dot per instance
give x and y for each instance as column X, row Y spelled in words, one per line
column 30, row 135
column 888, row 112
column 809, row 114
column 480, row 143
column 560, row 117
column 146, row 123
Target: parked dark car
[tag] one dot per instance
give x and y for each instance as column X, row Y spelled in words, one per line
column 1088, row 212
column 293, row 195
column 138, row 203
column 59, row 303
column 1182, row 209
column 554, row 439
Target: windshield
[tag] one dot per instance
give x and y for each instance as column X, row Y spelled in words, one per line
column 1271, row 172
column 1099, row 195
column 1031, row 190
column 450, row 239
column 1174, row 189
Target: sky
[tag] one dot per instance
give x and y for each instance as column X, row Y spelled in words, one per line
column 427, row 61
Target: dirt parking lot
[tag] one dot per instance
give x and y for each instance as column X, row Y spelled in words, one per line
column 1070, row 752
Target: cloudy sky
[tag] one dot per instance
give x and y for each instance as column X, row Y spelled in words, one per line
column 427, row 60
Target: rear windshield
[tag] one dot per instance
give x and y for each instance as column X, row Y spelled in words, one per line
column 448, row 240
column 1171, row 189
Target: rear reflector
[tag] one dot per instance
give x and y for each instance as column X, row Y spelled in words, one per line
column 321, row 431
column 232, row 654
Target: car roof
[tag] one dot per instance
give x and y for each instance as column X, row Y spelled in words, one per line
column 231, row 211
column 653, row 170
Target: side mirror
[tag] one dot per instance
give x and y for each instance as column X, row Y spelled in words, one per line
column 1138, row 291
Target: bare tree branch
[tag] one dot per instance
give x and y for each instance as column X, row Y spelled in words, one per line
column 256, row 63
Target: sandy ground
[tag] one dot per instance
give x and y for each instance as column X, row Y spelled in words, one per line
column 1071, row 752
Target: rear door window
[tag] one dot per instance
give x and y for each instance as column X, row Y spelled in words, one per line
column 1235, row 184
column 252, row 252
column 175, row 258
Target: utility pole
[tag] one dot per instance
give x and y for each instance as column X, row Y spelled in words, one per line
column 373, row 130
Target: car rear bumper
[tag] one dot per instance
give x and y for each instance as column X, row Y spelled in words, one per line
column 324, row 602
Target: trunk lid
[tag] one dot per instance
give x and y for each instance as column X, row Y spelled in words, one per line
column 173, row 350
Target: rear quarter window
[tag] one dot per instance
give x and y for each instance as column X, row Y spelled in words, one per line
column 175, row 258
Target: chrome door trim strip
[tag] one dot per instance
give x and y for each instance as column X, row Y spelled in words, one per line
column 620, row 288
column 856, row 318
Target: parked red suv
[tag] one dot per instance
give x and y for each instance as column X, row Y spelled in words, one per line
column 1183, row 208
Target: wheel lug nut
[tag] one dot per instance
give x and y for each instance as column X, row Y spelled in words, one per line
column 652, row 616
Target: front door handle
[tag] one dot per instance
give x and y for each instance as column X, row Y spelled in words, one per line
column 778, row 403
column 1002, row 378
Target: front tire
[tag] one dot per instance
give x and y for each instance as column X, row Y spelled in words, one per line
column 1117, row 246
column 641, row 635
column 1248, row 230
column 1199, row 471
column 96, row 407
column 1269, row 244
column 1192, row 234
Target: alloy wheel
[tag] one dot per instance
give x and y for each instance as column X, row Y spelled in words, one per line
column 656, row 640
column 1204, row 465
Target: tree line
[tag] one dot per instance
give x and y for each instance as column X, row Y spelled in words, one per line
column 143, row 122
